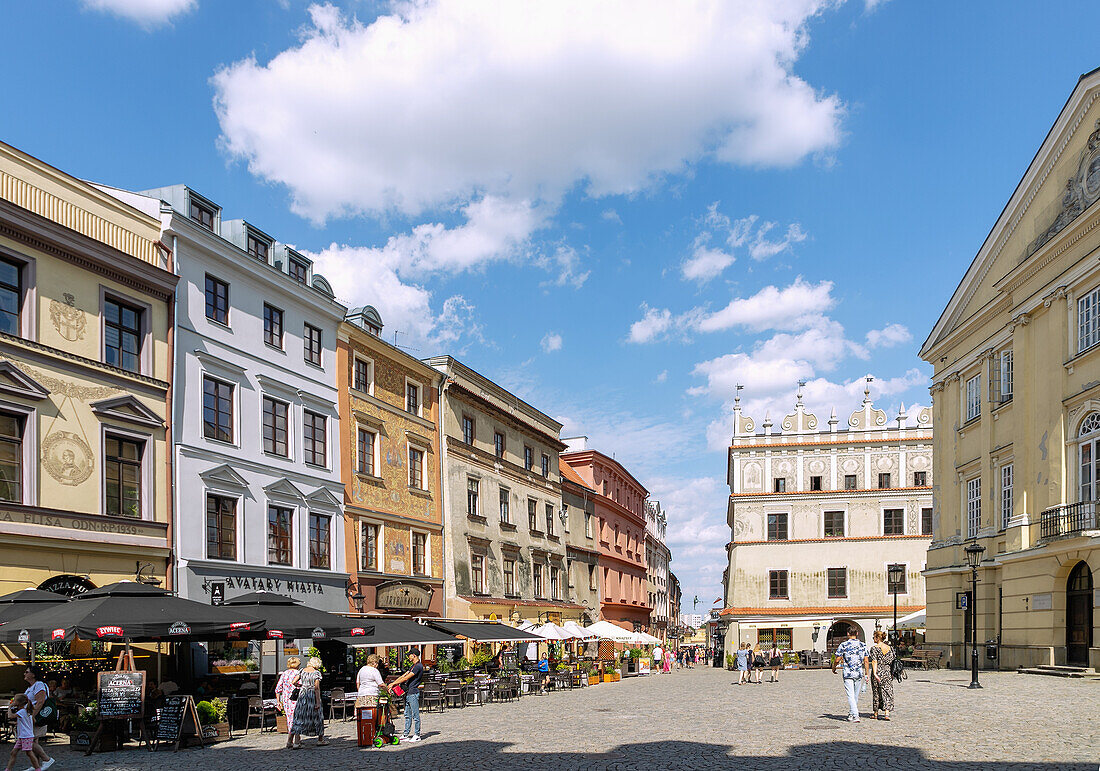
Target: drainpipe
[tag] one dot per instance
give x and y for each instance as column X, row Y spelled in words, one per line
column 176, row 377
column 170, row 571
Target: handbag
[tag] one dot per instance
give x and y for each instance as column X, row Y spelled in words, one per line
column 48, row 714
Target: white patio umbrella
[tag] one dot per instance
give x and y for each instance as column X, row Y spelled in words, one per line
column 912, row 621
column 552, row 631
column 578, row 631
column 605, row 630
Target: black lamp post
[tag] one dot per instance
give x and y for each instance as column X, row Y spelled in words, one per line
column 974, row 558
column 895, row 575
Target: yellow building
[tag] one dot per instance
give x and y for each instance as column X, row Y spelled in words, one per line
column 1016, row 393
column 85, row 311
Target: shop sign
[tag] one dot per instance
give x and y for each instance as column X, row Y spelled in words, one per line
column 217, row 593
column 57, row 634
column 318, row 633
column 109, row 631
column 70, row 586
column 1042, row 601
column 403, row 595
column 358, row 631
column 274, row 634
column 179, row 628
column 256, row 583
column 24, row 636
column 289, row 649
column 97, row 525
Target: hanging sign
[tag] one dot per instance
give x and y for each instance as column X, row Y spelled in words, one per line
column 402, row 595
column 217, row 592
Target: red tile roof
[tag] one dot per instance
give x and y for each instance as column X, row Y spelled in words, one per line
column 567, row 472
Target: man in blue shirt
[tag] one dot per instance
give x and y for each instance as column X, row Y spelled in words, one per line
column 853, row 654
column 410, row 681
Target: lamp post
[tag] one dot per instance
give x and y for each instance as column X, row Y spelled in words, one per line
column 895, row 575
column 974, row 558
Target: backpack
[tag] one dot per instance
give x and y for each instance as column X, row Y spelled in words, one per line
column 897, row 668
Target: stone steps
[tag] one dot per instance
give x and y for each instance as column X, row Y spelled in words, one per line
column 1061, row 671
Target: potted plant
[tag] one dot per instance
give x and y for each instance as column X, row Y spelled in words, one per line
column 731, row 662
column 82, row 728
column 213, row 718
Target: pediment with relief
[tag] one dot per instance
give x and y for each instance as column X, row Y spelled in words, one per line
column 224, row 476
column 284, row 488
column 323, row 498
column 128, row 409
column 18, row 383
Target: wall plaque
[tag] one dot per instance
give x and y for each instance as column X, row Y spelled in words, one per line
column 403, row 595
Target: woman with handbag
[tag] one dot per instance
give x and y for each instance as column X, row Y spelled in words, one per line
column 37, row 692
column 758, row 663
column 308, row 719
column 284, row 690
column 882, row 682
column 775, row 661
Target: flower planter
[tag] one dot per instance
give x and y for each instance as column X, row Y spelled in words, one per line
column 607, row 678
column 227, row 669
column 216, row 732
column 79, row 741
column 593, row 679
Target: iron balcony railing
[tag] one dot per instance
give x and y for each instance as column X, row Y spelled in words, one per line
column 1068, row 519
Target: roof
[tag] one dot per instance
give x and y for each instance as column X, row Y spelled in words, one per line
column 840, row 610
column 582, row 457
column 484, row 631
column 568, row 474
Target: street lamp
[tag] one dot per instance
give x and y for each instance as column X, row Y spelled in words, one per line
column 895, row 576
column 974, row 558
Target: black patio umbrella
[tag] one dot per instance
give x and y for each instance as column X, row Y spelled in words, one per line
column 26, row 601
column 288, row 619
column 397, row 631
column 129, row 611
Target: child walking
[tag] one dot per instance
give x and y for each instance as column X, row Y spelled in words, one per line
column 24, row 731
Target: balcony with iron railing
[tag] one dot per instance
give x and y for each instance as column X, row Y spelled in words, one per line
column 1069, row 519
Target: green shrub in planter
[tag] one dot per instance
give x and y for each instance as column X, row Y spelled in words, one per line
column 208, row 713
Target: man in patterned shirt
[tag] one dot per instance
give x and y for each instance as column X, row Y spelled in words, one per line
column 853, row 654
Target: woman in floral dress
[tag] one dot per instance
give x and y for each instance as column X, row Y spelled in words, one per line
column 882, row 682
column 308, row 719
column 283, row 689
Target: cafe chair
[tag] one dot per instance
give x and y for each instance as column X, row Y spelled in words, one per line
column 257, row 710
column 452, row 693
column 432, row 694
column 338, row 697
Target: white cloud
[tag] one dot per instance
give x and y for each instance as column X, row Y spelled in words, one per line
column 792, row 307
column 708, row 261
column 443, row 102
column 662, row 376
column 565, row 263
column 653, row 325
column 145, row 13
column 610, row 215
column 551, row 341
column 888, row 336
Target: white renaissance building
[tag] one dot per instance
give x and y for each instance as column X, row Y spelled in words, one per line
column 658, row 557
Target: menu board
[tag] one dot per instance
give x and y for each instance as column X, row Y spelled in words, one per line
column 177, row 718
column 121, row 694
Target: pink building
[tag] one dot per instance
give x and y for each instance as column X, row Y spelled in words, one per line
column 620, row 515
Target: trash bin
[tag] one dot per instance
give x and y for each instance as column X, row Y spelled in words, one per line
column 366, row 721
column 991, row 652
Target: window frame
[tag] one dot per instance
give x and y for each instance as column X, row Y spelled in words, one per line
column 499, row 444
column 972, row 398
column 931, row 524
column 1007, row 484
column 364, row 542
column 843, row 523
column 504, row 500
column 785, row 522
column 410, row 387
column 854, row 478
column 528, row 458
column 310, row 355
column 369, row 364
column 422, row 568
column 209, row 307
column 113, row 433
column 477, row 573
column 290, row 511
column 360, row 429
column 468, row 436
column 887, row 478
column 144, row 332
column 309, row 443
column 545, row 466
column 779, row 484
column 473, row 496
column 296, row 266
column 280, row 339
column 774, row 576
column 250, row 238
column 588, row 520
column 533, row 515
column 536, row 580
column 232, row 386
column 23, row 420
column 1006, row 375
column 21, row 291
column 264, row 399
column 219, row 528
column 830, row 574
column 973, row 492
column 423, row 457
column 920, row 479
column 816, row 483
column 204, row 207
column 508, row 573
column 549, row 512
column 318, row 515
column 1088, row 320
column 900, row 516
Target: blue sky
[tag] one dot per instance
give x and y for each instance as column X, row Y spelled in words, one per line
column 617, row 210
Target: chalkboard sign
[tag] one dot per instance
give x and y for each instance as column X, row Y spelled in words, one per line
column 508, row 659
column 177, row 718
column 121, row 694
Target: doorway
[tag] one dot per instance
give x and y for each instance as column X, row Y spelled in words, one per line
column 838, row 633
column 1079, row 615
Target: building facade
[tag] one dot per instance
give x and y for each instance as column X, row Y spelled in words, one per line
column 621, row 521
column 1018, row 469
column 258, row 491
column 85, row 310
column 817, row 517
column 578, row 501
column 657, row 558
column 389, row 401
column 504, row 547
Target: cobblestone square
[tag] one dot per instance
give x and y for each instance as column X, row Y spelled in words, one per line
column 698, row 719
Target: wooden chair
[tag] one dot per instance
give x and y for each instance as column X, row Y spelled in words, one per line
column 432, row 694
column 338, row 696
column 453, row 693
column 257, row 710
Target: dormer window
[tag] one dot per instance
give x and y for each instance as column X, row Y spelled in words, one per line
column 376, row 331
column 298, row 270
column 258, row 247
column 202, row 214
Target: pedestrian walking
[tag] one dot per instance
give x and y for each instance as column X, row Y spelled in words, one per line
column 882, row 657
column 658, row 658
column 37, row 692
column 308, row 719
column 743, row 655
column 853, row 654
column 410, row 681
column 759, row 664
column 668, row 662
column 284, row 690
column 775, row 661
column 19, row 711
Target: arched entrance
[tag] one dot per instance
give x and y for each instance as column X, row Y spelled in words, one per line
column 1079, row 615
column 838, row 633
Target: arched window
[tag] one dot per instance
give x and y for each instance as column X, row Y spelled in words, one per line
column 1090, row 457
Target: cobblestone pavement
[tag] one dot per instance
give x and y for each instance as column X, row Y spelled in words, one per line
column 697, row 719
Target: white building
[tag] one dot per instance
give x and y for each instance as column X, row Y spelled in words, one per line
column 694, row 620
column 258, row 493
column 658, row 556
column 817, row 517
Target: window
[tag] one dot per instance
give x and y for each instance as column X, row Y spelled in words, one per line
column 275, row 426
column 509, row 577
column 467, row 429
column 973, row 397
column 554, row 582
column 926, row 521
column 360, row 379
column 412, row 398
column 257, row 247
column 545, row 465
column 365, row 452
column 838, row 582
column 587, row 525
column 777, row 527
column 311, row 344
column 122, row 335
column 217, row 300
column 279, row 535
column 815, row 483
column 1088, row 320
column 11, row 296
column 1006, row 495
column 834, row 524
column 273, row 326
column 973, row 506
column 536, row 576
column 471, row 497
column 123, row 477
column 505, row 517
column 416, row 468
column 883, row 481
column 202, row 214
column 777, row 584
column 850, row 482
column 780, row 638
column 893, row 522
column 779, row 485
column 314, row 439
column 532, row 515
column 11, row 457
column 1006, row 376
column 605, row 489
column 319, row 543
column 549, row 519
column 217, row 410
column 221, row 527
column 420, row 553
column 592, row 578
column 1089, row 432
column 298, row 270
column 899, row 587
column 528, row 458
column 370, row 552
column 498, row 444
column 477, row 573
column 920, row 479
